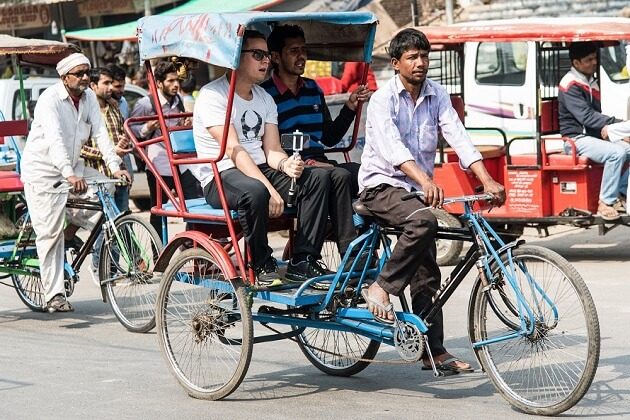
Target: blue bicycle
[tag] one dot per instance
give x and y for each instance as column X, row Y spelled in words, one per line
column 531, row 319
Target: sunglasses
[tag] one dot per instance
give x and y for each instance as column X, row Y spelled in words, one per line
column 79, row 74
column 258, row 54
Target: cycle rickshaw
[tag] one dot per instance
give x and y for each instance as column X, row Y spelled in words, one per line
column 503, row 78
column 130, row 246
column 532, row 322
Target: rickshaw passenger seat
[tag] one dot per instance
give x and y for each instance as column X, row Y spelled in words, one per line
column 182, row 141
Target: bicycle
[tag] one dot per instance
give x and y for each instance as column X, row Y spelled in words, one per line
column 531, row 320
column 127, row 257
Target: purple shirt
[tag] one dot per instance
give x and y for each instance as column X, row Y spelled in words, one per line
column 397, row 131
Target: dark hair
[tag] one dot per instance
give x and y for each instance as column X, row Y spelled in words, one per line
column 96, row 73
column 252, row 34
column 117, row 72
column 162, row 69
column 280, row 34
column 189, row 84
column 408, row 39
column 579, row 50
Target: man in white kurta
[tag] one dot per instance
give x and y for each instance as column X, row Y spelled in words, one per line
column 65, row 117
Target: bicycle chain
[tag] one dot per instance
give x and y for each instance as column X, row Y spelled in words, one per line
column 358, row 359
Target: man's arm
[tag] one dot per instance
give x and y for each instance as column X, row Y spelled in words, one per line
column 100, row 134
column 143, row 108
column 244, row 162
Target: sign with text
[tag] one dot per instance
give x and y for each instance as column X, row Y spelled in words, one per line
column 24, row 16
column 105, row 7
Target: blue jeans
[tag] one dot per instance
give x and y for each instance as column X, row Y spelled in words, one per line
column 614, row 156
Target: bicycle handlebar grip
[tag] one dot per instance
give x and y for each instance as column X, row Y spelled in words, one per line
column 409, row 196
column 57, row 184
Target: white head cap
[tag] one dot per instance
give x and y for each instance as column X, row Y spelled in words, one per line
column 70, row 62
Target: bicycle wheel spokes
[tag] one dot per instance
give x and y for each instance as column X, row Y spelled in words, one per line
column 127, row 263
column 30, row 289
column 548, row 370
column 205, row 332
column 337, row 352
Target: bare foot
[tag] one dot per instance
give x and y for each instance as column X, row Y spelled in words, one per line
column 377, row 294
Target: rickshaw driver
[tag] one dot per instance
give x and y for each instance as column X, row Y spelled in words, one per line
column 65, row 116
column 255, row 172
column 301, row 106
column 403, row 117
column 580, row 117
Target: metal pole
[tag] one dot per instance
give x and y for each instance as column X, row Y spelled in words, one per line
column 449, row 11
column 415, row 19
column 92, row 44
column 147, row 7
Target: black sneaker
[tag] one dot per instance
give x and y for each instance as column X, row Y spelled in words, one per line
column 306, row 270
column 267, row 275
column 362, row 261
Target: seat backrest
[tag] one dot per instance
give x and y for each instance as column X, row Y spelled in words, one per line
column 458, row 103
column 549, row 122
column 182, row 141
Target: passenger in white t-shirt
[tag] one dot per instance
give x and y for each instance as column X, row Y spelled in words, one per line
column 255, row 172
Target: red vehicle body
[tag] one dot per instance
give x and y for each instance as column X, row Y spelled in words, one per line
column 547, row 187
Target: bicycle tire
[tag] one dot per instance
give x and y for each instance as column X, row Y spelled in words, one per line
column 531, row 372
column 341, row 350
column 30, row 290
column 203, row 330
column 133, row 293
column 448, row 251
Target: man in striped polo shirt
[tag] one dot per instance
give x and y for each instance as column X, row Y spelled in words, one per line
column 301, row 106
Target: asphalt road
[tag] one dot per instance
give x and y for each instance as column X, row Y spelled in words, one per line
column 86, row 365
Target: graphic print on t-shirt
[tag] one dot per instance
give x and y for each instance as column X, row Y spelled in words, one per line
column 251, row 123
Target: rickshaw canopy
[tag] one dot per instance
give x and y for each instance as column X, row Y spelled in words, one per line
column 35, row 51
column 216, row 38
column 535, row 29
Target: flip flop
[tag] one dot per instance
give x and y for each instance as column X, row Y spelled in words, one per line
column 387, row 308
column 448, row 366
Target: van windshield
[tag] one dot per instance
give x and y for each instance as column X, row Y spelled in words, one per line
column 613, row 60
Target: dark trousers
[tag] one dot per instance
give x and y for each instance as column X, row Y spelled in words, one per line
column 250, row 198
column 344, row 188
column 413, row 261
column 190, row 186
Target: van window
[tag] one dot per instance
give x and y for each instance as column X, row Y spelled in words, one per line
column 17, row 104
column 501, row 63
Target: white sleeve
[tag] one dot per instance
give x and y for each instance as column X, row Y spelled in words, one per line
column 48, row 116
column 211, row 107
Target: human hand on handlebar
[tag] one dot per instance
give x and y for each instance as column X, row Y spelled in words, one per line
column 79, row 186
column 496, row 190
column 433, row 194
column 123, row 175
column 294, row 166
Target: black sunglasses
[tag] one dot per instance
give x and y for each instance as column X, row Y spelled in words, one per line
column 79, row 74
column 258, row 54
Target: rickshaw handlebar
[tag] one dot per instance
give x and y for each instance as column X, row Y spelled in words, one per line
column 95, row 182
column 450, row 200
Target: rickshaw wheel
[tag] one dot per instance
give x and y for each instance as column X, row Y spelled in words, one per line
column 448, row 251
column 30, row 289
column 127, row 274
column 548, row 371
column 335, row 352
column 204, row 325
